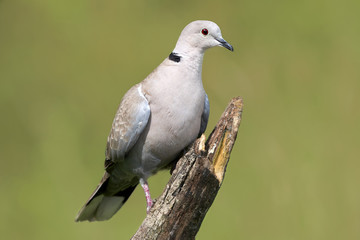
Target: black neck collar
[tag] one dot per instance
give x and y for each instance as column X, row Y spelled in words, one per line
column 174, row 57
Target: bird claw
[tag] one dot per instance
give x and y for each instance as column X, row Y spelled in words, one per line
column 149, row 205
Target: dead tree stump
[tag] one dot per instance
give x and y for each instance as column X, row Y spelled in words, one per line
column 193, row 186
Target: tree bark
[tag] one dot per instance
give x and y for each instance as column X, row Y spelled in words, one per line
column 193, row 186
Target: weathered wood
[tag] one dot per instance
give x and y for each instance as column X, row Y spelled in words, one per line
column 193, row 186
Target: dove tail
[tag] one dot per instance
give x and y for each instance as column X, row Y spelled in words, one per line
column 100, row 207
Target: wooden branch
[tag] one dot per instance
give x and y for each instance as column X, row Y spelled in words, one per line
column 193, row 186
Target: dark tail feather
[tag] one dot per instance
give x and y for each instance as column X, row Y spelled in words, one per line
column 100, row 207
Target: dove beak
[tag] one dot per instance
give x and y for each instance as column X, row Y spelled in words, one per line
column 225, row 44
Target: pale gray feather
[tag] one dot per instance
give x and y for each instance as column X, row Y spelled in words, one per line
column 205, row 116
column 130, row 120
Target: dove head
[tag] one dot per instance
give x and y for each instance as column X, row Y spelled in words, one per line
column 200, row 35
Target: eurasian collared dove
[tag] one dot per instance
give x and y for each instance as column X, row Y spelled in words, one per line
column 157, row 118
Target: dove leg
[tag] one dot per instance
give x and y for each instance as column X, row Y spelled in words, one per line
column 145, row 186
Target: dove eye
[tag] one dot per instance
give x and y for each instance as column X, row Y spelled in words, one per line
column 204, row 31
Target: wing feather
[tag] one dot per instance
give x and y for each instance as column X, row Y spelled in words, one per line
column 130, row 121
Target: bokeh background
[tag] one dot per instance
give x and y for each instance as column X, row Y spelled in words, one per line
column 294, row 172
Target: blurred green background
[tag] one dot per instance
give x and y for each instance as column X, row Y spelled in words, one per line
column 294, row 172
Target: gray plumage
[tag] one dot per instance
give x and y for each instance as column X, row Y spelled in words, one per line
column 157, row 118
